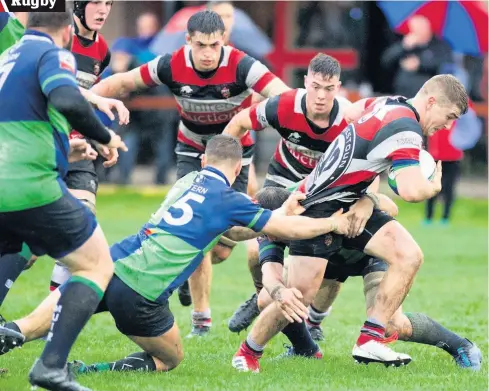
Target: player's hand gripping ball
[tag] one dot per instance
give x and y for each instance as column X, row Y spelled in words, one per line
column 428, row 168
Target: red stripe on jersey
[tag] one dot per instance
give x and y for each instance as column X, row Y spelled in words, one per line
column 185, row 140
column 145, row 75
column 404, row 153
column 255, row 124
column 247, row 140
column 334, row 131
column 97, row 50
column 369, row 101
column 368, row 129
column 263, row 82
column 354, row 178
column 288, row 118
column 184, row 74
column 278, row 158
column 302, row 186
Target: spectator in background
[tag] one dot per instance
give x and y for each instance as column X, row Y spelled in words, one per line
column 417, row 58
column 159, row 125
column 447, row 145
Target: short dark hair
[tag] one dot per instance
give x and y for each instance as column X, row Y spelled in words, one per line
column 325, row 65
column 272, row 197
column 51, row 21
column 206, row 22
column 222, row 148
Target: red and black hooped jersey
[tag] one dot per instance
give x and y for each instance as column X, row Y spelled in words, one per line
column 207, row 101
column 92, row 57
column 302, row 143
column 388, row 134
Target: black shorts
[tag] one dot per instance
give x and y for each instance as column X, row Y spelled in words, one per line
column 279, row 176
column 82, row 180
column 327, row 245
column 187, row 164
column 134, row 314
column 366, row 265
column 55, row 229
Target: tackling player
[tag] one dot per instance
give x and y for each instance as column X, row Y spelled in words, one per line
column 390, row 133
column 150, row 265
column 211, row 83
column 36, row 207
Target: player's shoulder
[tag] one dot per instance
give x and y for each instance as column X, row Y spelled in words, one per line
column 343, row 102
column 291, row 97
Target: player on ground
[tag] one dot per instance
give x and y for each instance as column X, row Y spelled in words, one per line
column 308, row 120
column 410, row 327
column 36, row 207
column 389, row 134
column 11, row 30
column 211, row 83
column 167, row 249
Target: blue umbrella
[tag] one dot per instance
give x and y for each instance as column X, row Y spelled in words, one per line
column 463, row 24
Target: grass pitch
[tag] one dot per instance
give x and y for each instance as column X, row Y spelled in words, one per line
column 451, row 288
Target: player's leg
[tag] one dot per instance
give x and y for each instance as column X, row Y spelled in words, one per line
column 149, row 324
column 83, row 185
column 386, row 239
column 305, row 274
column 68, row 231
column 418, row 327
column 12, row 266
column 321, row 306
column 248, row 311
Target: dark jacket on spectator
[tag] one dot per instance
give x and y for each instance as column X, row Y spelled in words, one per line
column 431, row 56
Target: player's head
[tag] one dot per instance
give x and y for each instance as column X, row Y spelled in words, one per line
column 59, row 25
column 224, row 153
column 440, row 101
column 225, row 9
column 92, row 14
column 205, row 34
column 322, row 83
column 272, row 197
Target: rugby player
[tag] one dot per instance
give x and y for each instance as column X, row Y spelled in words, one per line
column 308, row 120
column 11, row 31
column 389, row 134
column 211, row 83
column 36, row 207
column 150, row 265
column 410, row 327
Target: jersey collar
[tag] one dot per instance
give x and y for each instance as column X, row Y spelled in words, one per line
column 215, row 173
column 37, row 36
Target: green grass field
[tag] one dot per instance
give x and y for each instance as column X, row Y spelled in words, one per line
column 451, row 287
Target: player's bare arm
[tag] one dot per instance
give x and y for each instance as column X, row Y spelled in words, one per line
column 412, row 186
column 239, row 125
column 120, row 84
column 274, row 88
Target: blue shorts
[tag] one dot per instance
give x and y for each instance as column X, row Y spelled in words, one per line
column 134, row 315
column 56, row 229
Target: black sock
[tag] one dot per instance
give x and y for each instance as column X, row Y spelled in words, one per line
column 300, row 338
column 78, row 301
column 428, row 332
column 11, row 267
column 140, row 361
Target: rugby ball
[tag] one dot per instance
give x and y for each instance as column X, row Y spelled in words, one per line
column 428, row 168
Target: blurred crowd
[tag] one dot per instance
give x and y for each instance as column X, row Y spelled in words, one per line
column 405, row 63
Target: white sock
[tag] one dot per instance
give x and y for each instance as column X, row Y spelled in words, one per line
column 202, row 318
column 253, row 345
